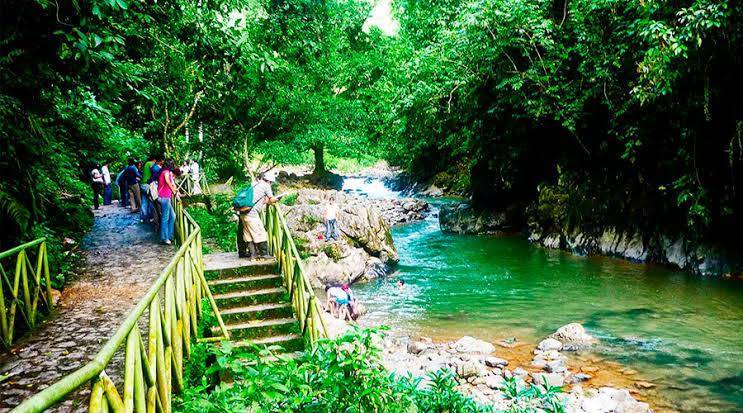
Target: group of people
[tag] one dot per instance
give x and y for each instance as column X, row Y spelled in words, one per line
column 146, row 188
column 341, row 302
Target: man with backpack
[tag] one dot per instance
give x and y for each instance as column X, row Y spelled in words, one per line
column 252, row 239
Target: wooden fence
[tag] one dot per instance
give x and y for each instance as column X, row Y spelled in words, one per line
column 29, row 292
column 281, row 245
column 153, row 369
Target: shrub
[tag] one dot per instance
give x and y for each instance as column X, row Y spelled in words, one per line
column 290, row 199
column 345, row 374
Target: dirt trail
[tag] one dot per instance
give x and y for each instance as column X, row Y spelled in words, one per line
column 123, row 258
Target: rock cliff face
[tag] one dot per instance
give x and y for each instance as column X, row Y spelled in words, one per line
column 675, row 253
column 365, row 249
column 463, row 219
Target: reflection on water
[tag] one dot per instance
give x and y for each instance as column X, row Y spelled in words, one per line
column 682, row 332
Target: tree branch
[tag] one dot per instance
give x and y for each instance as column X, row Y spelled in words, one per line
column 190, row 113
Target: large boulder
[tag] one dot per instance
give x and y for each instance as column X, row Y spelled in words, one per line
column 359, row 223
column 350, row 265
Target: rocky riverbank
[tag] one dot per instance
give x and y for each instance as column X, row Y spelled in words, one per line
column 503, row 383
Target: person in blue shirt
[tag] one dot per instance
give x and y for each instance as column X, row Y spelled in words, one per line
column 132, row 177
column 123, row 190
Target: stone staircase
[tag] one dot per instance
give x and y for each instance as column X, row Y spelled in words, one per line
column 253, row 302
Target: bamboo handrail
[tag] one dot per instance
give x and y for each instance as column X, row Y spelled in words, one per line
column 153, row 368
column 29, row 288
column 281, row 245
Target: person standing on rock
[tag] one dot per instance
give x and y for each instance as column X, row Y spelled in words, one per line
column 250, row 228
column 331, row 222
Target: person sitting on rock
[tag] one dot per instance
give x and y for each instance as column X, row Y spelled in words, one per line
column 331, row 222
column 336, row 299
column 350, row 310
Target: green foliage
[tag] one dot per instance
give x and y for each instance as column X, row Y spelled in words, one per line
column 344, row 374
column 216, row 226
column 310, row 221
column 290, row 199
column 333, row 252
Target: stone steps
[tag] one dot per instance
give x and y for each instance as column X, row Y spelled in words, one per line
column 243, row 283
column 253, row 302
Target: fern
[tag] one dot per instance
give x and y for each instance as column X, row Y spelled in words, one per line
column 13, row 210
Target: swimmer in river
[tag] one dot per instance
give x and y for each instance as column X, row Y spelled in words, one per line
column 401, row 284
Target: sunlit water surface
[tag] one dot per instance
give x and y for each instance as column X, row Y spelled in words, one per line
column 682, row 332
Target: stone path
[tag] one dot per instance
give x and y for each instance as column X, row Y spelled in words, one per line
column 123, row 258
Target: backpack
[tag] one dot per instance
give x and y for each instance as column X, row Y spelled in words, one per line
column 243, row 199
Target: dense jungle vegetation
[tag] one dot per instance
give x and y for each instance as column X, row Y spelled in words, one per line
column 597, row 112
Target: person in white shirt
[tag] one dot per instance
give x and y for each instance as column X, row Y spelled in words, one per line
column 106, row 184
column 331, row 219
column 97, row 183
column 196, row 178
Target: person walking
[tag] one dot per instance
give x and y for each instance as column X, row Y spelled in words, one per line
column 165, row 190
column 106, row 184
column 331, row 222
column 254, row 237
column 133, row 177
column 97, row 184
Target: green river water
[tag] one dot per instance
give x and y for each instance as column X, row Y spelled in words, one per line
column 682, row 332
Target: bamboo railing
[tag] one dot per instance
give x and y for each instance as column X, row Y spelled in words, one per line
column 190, row 186
column 281, row 245
column 28, row 292
column 153, row 369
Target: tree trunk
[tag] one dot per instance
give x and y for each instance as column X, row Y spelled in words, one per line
column 319, row 150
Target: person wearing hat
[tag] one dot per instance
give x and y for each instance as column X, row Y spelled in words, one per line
column 254, row 237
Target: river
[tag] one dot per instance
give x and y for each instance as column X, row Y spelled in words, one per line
column 681, row 332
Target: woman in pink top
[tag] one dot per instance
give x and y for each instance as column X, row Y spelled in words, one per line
column 165, row 190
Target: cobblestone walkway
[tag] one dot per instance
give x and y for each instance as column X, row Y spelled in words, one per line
column 123, row 259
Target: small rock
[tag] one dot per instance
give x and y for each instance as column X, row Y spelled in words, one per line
column 495, row 382
column 589, row 369
column 520, row 373
column 552, row 379
column 556, row 366
column 470, row 369
column 573, row 336
column 628, row 372
column 469, row 344
column 549, row 344
column 495, row 362
column 644, row 385
column 579, row 377
column 417, row 347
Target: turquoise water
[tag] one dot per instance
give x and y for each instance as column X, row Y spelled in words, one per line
column 682, row 332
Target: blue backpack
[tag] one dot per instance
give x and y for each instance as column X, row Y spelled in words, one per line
column 243, row 199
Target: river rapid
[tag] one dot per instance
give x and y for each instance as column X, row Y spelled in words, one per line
column 681, row 332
